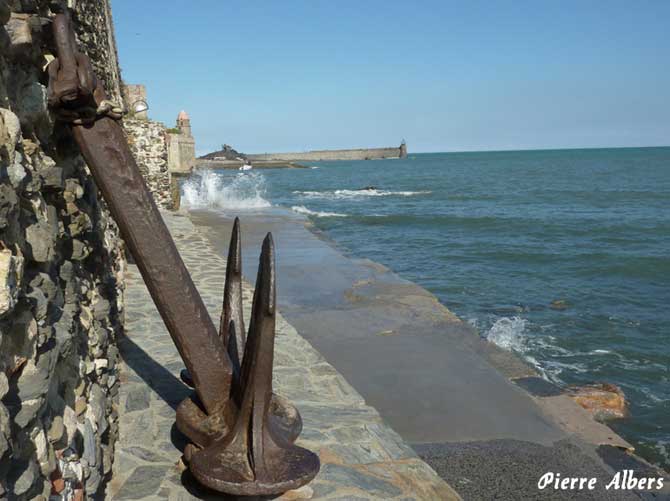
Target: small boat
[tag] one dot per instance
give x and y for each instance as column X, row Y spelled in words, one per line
column 246, row 167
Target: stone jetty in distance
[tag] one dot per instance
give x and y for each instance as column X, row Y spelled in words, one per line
column 229, row 158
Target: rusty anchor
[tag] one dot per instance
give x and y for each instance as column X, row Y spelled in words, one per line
column 241, row 433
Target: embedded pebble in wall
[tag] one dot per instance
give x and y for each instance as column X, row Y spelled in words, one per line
column 10, row 133
column 11, row 272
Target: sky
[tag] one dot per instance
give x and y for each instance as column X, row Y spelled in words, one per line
column 295, row 75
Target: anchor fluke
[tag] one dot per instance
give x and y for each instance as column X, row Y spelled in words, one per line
column 256, row 458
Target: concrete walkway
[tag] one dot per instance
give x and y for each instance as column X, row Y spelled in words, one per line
column 477, row 414
column 362, row 457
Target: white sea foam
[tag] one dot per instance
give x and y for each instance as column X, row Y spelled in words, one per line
column 663, row 448
column 508, row 333
column 357, row 194
column 208, row 189
column 301, row 209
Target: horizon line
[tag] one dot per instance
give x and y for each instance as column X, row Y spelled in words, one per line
column 569, row 148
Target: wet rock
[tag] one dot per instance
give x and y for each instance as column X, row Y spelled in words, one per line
column 559, row 305
column 603, row 400
column 11, row 272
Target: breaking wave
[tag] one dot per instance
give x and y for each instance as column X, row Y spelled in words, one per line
column 353, row 194
column 508, row 333
column 210, row 190
column 301, row 209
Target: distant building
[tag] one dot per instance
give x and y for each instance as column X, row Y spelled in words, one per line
column 181, row 146
column 184, row 123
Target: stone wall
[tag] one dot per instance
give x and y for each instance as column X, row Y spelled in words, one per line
column 181, row 153
column 133, row 94
column 61, row 273
column 148, row 143
column 320, row 155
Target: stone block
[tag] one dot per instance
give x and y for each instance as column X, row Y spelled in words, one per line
column 144, row 481
column 28, row 411
column 10, row 134
column 23, row 476
column 11, row 272
column 9, row 204
column 4, row 430
column 41, row 239
column 352, row 477
column 33, row 382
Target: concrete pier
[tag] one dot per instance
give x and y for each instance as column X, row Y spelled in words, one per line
column 479, row 415
column 361, row 456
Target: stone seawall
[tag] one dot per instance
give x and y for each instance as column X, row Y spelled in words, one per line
column 148, row 142
column 361, row 457
column 325, row 155
column 61, row 273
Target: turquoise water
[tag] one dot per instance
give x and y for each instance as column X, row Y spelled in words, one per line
column 498, row 237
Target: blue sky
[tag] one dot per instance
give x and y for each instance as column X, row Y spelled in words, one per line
column 447, row 76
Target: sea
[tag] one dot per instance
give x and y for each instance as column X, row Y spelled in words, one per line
column 561, row 256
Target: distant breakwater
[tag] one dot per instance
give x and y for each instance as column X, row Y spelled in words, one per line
column 325, row 155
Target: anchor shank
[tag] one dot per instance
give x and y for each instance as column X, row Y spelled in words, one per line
column 116, row 173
